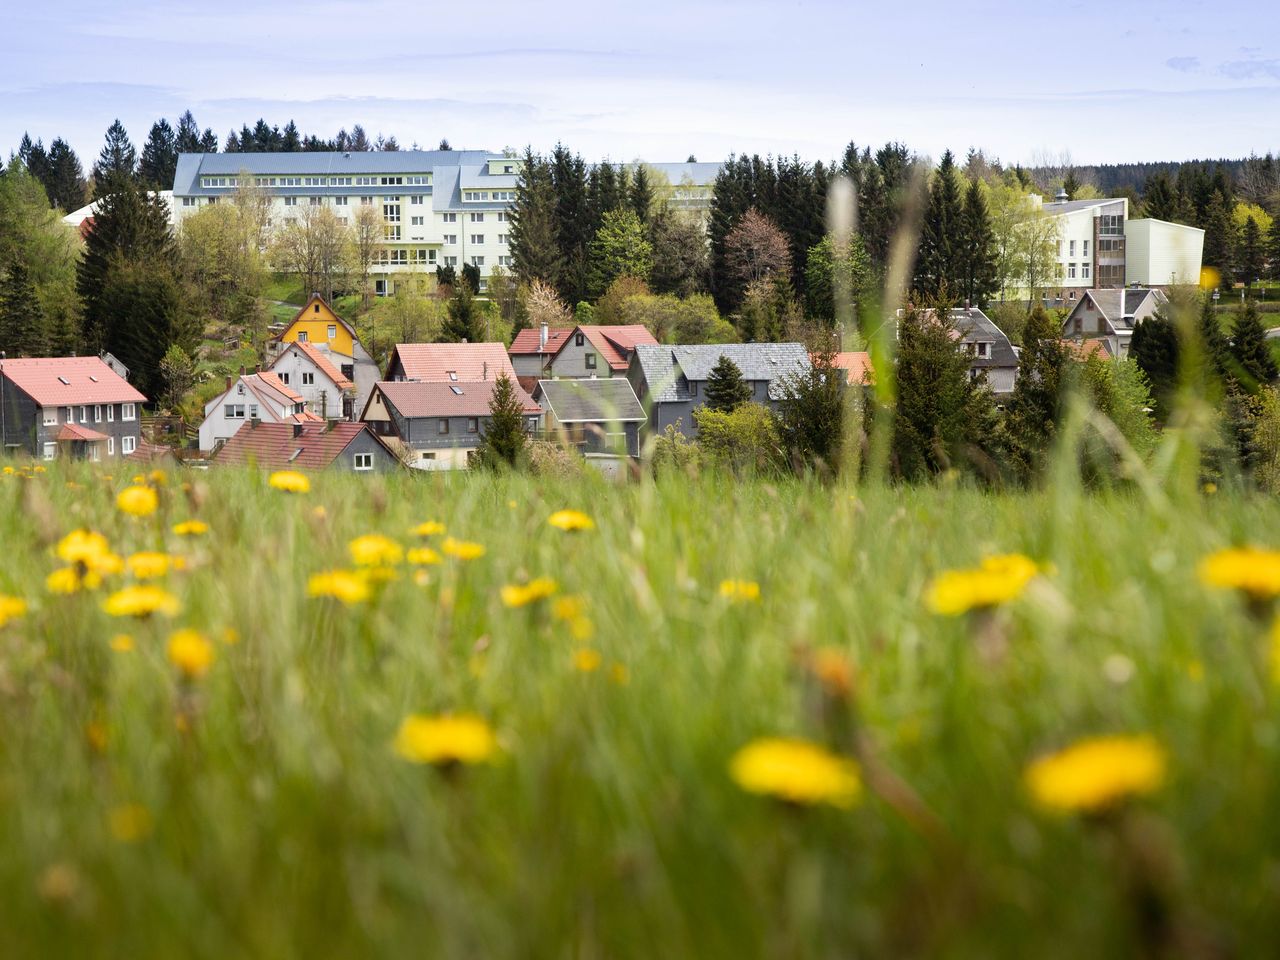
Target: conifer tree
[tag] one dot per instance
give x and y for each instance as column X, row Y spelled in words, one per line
column 291, row 141
column 726, row 390
column 503, row 443
column 159, row 157
column 572, row 222
column 22, row 323
column 462, row 324
column 1253, row 364
column 66, row 185
column 534, row 251
column 811, row 413
column 1273, row 248
column 1035, row 407
column 188, row 135
column 619, row 249
column 117, row 162
column 1251, row 252
column 1219, row 236
column 1216, row 349
column 979, row 275
column 641, row 195
column 208, row 142
column 1155, row 349
column 937, row 266
column 35, row 159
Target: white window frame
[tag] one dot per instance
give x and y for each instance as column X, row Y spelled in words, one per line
column 308, row 379
column 49, row 416
column 363, row 461
column 111, row 413
column 84, row 414
column 111, row 446
column 128, row 445
column 127, row 411
column 50, row 451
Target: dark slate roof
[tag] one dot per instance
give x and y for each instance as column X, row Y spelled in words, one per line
column 591, row 401
column 973, row 326
column 1108, row 302
column 308, row 446
column 667, row 370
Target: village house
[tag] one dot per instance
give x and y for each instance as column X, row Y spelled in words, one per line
column 310, row 373
column 312, row 445
column 317, row 325
column 448, row 362
column 437, row 426
column 600, row 418
column 671, row 381
column 74, row 407
column 250, row 398
column 857, row 368
column 1112, row 315
column 583, row 351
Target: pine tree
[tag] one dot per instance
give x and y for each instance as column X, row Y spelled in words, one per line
column 937, row 267
column 979, row 274
column 208, row 142
column 1219, row 234
column 22, row 323
column 188, row 135
column 147, row 314
column 444, row 145
column 66, row 177
column 1216, row 354
column 117, row 162
column 359, row 140
column 811, row 414
column 726, row 390
column 1253, row 364
column 35, row 159
column 1071, row 185
column 1251, row 252
column 503, row 444
column 641, row 197
column 1155, row 349
column 462, row 325
column 159, row 160
column 1035, row 407
column 572, row 222
column 534, row 252
column 233, row 143
column 1273, row 248
column 291, row 142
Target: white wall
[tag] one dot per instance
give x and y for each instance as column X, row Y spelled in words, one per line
column 1160, row 253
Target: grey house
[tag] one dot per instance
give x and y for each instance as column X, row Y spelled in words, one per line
column 68, row 407
column 598, row 417
column 671, row 380
column 990, row 351
column 1112, row 315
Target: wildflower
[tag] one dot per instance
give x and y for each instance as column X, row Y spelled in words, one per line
column 586, row 660
column 68, row 580
column 375, row 550
column 1254, row 572
column 130, row 822
column 191, row 528
column 998, row 580
column 137, row 501
column 58, row 882
column 141, row 601
column 95, row 731
column 569, row 607
column 11, row 608
column 462, row 549
column 191, row 652
column 9, row 471
column 1210, row 488
column 618, row 675
column 445, row 739
column 122, row 643
column 157, row 478
column 797, row 771
column 38, row 469
column 84, row 547
column 422, row 557
column 290, row 481
column 148, row 565
column 521, row 595
column 1097, row 773
column 740, row 590
column 343, row 585
column 429, row 528
column 230, row 636
column 570, row 520
column 833, row 671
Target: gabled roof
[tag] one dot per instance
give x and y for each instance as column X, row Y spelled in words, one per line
column 321, row 362
column 71, row 431
column 268, row 389
column 68, row 381
column 308, row 446
column 617, row 343
column 1119, row 307
column 667, row 370
column 974, row 326
column 857, row 367
column 434, row 362
column 306, row 309
column 414, row 399
column 610, row 400
column 1084, row 349
column 529, row 342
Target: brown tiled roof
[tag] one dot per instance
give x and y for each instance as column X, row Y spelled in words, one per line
column 464, row 399
column 272, row 381
column 1084, row 349
column 433, row 362
column 323, row 364
column 72, row 432
column 87, row 380
column 857, row 367
column 529, row 341
column 308, row 446
column 617, row 343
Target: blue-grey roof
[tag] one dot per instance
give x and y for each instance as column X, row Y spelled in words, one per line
column 609, row 400
column 668, row 370
column 974, row 326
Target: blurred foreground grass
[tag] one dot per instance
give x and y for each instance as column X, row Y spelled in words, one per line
column 260, row 810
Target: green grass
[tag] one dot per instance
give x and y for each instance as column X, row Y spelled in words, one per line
column 284, row 824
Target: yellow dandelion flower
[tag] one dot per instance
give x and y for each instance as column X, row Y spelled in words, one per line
column 290, row 481
column 569, row 607
column 618, row 675
column 38, row 469
column 521, row 595
column 375, row 550
column 139, row 478
column 137, row 501
column 122, row 643
column 570, row 520
column 1097, row 773
column 462, row 549
column 1254, row 572
column 191, row 528
column 343, row 585
column 83, row 547
column 428, row 528
column 740, row 591
column 95, row 731
column 422, row 557
column 797, row 771
column 586, row 660
column 157, row 478
column 582, row 629
column 130, row 822
column 141, row 601
column 68, row 580
column 9, row 471
column 833, row 671
column 445, row 739
column 1210, row 488
column 191, row 652
column 148, row 564
column 998, row 580
column 11, row 608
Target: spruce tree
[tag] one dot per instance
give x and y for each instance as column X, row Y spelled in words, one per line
column 22, row 323
column 641, row 196
column 1155, row 349
column 1035, row 406
column 208, row 142
column 147, row 313
column 66, row 177
column 1071, row 185
column 503, row 443
column 462, row 325
column 726, row 390
column 291, row 141
column 1219, row 236
column 1251, row 252
column 159, row 160
column 979, row 274
column 572, row 222
column 1273, row 248
column 1216, row 350
column 35, row 159
column 811, row 413
column 937, row 266
column 534, row 252
column 117, row 162
column 188, row 135
column 1253, row 364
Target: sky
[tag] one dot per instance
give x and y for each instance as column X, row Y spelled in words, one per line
column 1122, row 80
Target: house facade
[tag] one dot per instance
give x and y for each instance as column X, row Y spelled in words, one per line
column 318, row 325
column 311, row 445
column 253, row 397
column 598, row 418
column 310, row 372
column 579, row 352
column 74, row 407
column 990, row 351
column 437, row 425
column 1112, row 316
column 670, row 381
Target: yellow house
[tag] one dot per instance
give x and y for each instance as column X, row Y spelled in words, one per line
column 317, row 324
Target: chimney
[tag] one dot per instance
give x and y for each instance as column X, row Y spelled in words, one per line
column 242, row 369
column 542, row 336
column 228, row 383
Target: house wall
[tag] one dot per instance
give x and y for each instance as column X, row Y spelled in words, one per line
column 1161, row 254
column 322, row 395
column 26, row 432
column 217, row 426
column 21, row 421
column 383, row 461
column 529, row 365
column 571, row 361
column 315, row 323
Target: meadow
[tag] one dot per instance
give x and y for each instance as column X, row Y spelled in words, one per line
column 252, row 789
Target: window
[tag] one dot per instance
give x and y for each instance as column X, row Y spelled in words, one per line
column 391, row 232
column 504, row 195
column 477, row 261
column 477, row 218
column 508, row 168
column 50, row 451
column 1085, row 251
column 97, row 413
column 379, row 290
column 364, row 461
column 453, row 375
column 111, row 446
column 1111, row 225
column 450, row 238
column 1084, row 271
column 418, row 179
column 1071, row 248
column 50, row 416
column 532, row 424
column 591, row 361
column 253, row 411
column 578, row 339
column 693, row 388
column 339, row 201
column 366, row 201
column 983, row 349
column 188, row 201
column 313, row 181
column 1071, row 271
column 415, row 221
column 502, row 216
column 473, row 424
column 504, row 261
column 502, row 238
column 449, row 218
column 302, row 336
column 333, row 330
column 128, row 445
column 339, row 181
column 316, row 201
column 366, row 181
column 477, row 238
column 70, row 417
column 1077, row 325
column 391, row 212
column 290, row 201
column 415, row 201
column 308, row 379
column 443, row 426
column 392, row 181
column 233, row 411
column 84, row 414
column 450, row 261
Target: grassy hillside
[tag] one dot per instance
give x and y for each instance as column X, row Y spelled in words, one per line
column 259, row 807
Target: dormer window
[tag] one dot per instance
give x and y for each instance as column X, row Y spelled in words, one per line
column 453, row 375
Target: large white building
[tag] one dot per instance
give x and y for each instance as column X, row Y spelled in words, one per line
column 438, row 207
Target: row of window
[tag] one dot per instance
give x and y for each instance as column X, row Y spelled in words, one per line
column 1071, row 248
column 417, row 179
column 127, row 446
column 1084, row 271
column 99, row 411
column 487, row 195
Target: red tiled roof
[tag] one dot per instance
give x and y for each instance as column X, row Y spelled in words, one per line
column 146, row 452
column 464, row 399
column 529, row 341
column 316, row 356
column 617, row 343
column 72, row 432
column 433, row 362
column 857, row 366
column 1084, row 349
column 272, row 381
column 274, row 445
column 88, row 380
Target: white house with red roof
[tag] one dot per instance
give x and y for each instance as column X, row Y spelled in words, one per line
column 254, row 396
column 310, row 371
column 578, row 352
column 67, row 406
